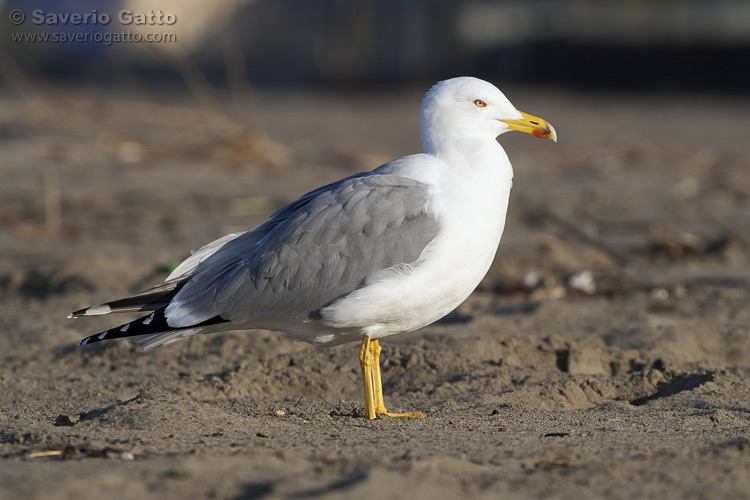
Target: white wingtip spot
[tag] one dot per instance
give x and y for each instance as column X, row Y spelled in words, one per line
column 103, row 335
column 149, row 319
column 125, row 328
column 98, row 309
column 70, row 316
column 84, row 341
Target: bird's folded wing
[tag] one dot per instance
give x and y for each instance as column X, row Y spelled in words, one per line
column 312, row 252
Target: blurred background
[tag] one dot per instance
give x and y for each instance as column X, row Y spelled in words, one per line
column 671, row 45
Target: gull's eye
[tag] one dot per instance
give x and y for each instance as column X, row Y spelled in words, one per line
column 480, row 103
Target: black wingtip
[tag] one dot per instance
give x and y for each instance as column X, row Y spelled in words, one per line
column 88, row 340
column 151, row 324
column 153, row 299
column 77, row 314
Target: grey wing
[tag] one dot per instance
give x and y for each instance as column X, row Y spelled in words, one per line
column 315, row 250
column 288, row 210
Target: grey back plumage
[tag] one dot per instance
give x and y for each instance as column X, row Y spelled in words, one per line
column 310, row 253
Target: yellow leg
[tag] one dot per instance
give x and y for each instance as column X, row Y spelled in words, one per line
column 377, row 382
column 369, row 360
column 365, row 362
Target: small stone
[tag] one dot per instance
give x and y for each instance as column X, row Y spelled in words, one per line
column 583, row 281
column 63, row 421
column 531, row 280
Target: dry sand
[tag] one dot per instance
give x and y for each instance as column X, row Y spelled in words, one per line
column 630, row 384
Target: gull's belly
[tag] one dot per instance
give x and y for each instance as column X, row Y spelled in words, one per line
column 455, row 263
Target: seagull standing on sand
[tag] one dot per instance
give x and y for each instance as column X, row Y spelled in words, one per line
column 372, row 255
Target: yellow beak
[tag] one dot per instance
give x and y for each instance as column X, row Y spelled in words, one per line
column 532, row 125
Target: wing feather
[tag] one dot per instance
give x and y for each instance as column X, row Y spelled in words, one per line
column 325, row 246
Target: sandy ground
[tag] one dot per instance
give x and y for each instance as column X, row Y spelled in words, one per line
column 606, row 354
